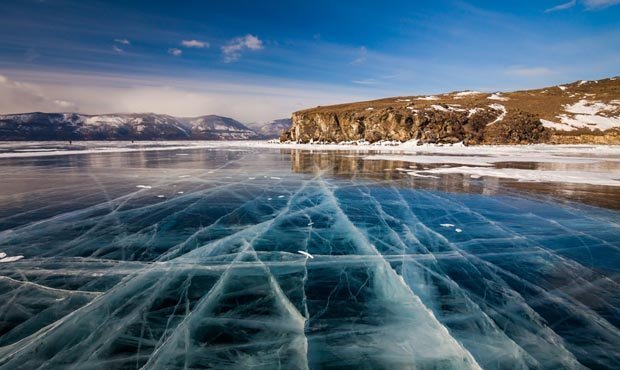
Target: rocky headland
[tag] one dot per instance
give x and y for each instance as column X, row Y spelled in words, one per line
column 586, row 112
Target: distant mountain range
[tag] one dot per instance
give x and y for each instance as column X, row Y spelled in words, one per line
column 273, row 129
column 141, row 126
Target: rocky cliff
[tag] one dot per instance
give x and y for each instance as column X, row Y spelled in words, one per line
column 147, row 126
column 580, row 112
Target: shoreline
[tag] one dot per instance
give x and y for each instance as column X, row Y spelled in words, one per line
column 97, row 147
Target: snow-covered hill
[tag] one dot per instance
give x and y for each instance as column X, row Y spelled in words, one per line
column 273, row 129
column 144, row 126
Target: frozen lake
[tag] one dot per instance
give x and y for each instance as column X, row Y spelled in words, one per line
column 234, row 256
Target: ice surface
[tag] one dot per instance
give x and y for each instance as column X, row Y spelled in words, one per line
column 293, row 259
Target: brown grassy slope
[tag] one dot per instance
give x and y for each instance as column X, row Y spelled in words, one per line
column 546, row 103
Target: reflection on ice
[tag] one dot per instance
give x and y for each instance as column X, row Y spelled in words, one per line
column 243, row 264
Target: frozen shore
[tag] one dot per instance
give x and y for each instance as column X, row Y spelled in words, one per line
column 579, row 164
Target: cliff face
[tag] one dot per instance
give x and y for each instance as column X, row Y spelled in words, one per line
column 585, row 111
column 428, row 126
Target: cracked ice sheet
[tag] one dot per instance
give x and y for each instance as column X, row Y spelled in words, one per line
column 114, row 277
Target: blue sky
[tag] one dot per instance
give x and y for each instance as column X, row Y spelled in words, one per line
column 260, row 60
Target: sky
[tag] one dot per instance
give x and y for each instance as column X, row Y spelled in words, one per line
column 256, row 61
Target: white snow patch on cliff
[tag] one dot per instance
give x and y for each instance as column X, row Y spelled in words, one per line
column 557, row 126
column 462, row 94
column 474, row 111
column 498, row 96
column 500, row 108
column 591, row 114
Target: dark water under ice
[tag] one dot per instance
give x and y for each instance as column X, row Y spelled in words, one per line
column 200, row 267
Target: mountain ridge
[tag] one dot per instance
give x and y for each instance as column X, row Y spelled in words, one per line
column 120, row 126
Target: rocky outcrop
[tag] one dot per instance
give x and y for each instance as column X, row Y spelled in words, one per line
column 584, row 111
column 445, row 125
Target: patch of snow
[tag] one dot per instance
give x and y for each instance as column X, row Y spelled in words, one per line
column 458, row 230
column 430, row 97
column 576, row 177
column 587, row 114
column 104, row 120
column 447, row 225
column 370, row 108
column 144, row 186
column 416, row 174
column 439, row 108
column 474, row 111
column 583, row 82
column 455, row 108
column 488, row 161
column 462, row 94
column 497, row 96
column 403, row 100
column 563, row 88
column 588, row 107
column 502, row 115
column 557, row 126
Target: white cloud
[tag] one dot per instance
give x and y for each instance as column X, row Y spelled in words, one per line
column 562, row 6
column 27, row 91
column 117, row 49
column 122, row 41
column 599, row 4
column 363, row 53
column 174, row 51
column 367, row 81
column 588, row 4
column 18, row 97
column 64, row 103
column 195, row 44
column 530, row 71
column 232, row 50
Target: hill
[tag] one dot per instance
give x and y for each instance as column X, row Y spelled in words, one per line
column 578, row 112
column 141, row 126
